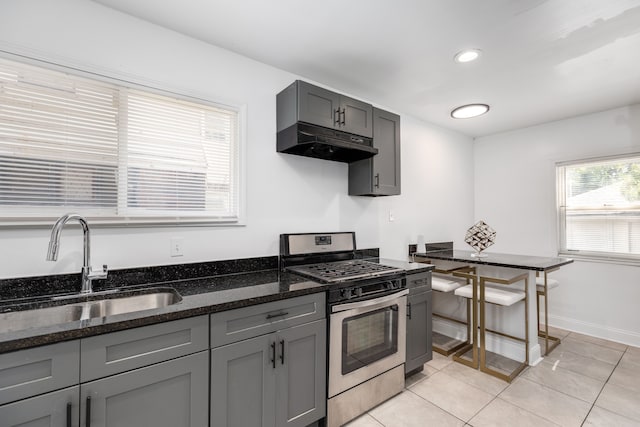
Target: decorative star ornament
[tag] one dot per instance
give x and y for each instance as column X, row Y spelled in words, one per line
column 480, row 236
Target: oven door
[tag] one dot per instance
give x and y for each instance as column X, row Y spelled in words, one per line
column 366, row 338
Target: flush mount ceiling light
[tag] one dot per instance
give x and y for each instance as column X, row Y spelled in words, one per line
column 469, row 110
column 467, row 55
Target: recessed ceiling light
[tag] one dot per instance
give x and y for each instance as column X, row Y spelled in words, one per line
column 467, row 55
column 468, row 111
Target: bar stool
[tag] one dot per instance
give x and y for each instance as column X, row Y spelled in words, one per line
column 447, row 285
column 543, row 284
column 471, row 294
column 445, row 282
column 499, row 296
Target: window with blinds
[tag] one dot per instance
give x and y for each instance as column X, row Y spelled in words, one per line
column 112, row 153
column 599, row 208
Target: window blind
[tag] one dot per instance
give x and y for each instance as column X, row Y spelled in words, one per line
column 110, row 152
column 599, row 207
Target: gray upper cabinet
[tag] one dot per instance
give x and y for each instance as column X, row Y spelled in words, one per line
column 380, row 174
column 304, row 102
column 317, row 105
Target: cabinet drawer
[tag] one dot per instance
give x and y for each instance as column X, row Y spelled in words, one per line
column 38, row 370
column 117, row 352
column 235, row 325
column 419, row 282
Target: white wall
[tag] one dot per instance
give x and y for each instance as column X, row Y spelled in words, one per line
column 436, row 199
column 515, row 194
column 284, row 193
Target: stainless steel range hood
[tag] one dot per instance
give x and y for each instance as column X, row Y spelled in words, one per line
column 308, row 140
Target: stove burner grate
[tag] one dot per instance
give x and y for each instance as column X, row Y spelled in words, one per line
column 344, row 270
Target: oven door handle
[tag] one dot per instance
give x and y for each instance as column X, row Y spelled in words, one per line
column 368, row 303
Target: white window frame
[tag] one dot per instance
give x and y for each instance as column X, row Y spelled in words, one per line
column 239, row 174
column 561, row 209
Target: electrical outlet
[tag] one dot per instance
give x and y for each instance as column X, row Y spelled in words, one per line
column 391, row 216
column 176, row 246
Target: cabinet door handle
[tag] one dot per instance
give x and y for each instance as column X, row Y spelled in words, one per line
column 273, row 354
column 272, row 316
column 88, row 417
column 377, row 177
column 336, row 116
column 409, row 310
column 282, row 352
column 343, row 117
column 69, row 414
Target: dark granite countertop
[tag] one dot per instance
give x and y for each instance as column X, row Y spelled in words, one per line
column 524, row 262
column 199, row 296
column 409, row 267
column 227, row 288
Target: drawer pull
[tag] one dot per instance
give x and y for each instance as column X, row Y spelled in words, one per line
column 273, row 316
column 88, row 418
column 273, row 354
column 69, row 414
column 409, row 310
column 282, row 352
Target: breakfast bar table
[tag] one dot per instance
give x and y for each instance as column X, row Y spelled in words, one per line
column 532, row 264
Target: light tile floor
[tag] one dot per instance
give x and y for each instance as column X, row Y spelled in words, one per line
column 585, row 381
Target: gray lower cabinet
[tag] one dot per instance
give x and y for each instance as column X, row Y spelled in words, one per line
column 34, row 371
column 39, row 386
column 243, row 383
column 419, row 322
column 271, row 380
column 301, row 377
column 380, row 174
column 168, row 394
column 275, row 379
column 156, row 375
column 55, row 409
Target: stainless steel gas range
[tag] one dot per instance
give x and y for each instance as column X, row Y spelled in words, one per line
column 367, row 320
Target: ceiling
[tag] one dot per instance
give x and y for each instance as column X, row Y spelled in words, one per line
column 542, row 60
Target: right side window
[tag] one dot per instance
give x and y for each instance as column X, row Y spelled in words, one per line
column 599, row 208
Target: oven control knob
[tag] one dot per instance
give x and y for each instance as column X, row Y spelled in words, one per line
column 344, row 293
column 356, row 292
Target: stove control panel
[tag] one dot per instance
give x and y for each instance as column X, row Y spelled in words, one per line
column 365, row 291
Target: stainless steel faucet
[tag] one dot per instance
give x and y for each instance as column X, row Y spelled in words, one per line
column 54, row 244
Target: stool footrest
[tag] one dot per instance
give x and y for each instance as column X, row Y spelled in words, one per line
column 550, row 343
column 471, row 362
column 505, row 373
column 447, row 345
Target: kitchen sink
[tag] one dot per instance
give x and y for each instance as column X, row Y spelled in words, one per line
column 113, row 306
column 84, row 307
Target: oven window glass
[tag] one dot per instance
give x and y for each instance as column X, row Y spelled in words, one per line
column 369, row 337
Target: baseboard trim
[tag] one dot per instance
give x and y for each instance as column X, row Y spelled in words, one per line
column 622, row 336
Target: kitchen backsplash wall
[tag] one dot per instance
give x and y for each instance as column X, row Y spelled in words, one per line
column 283, row 193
